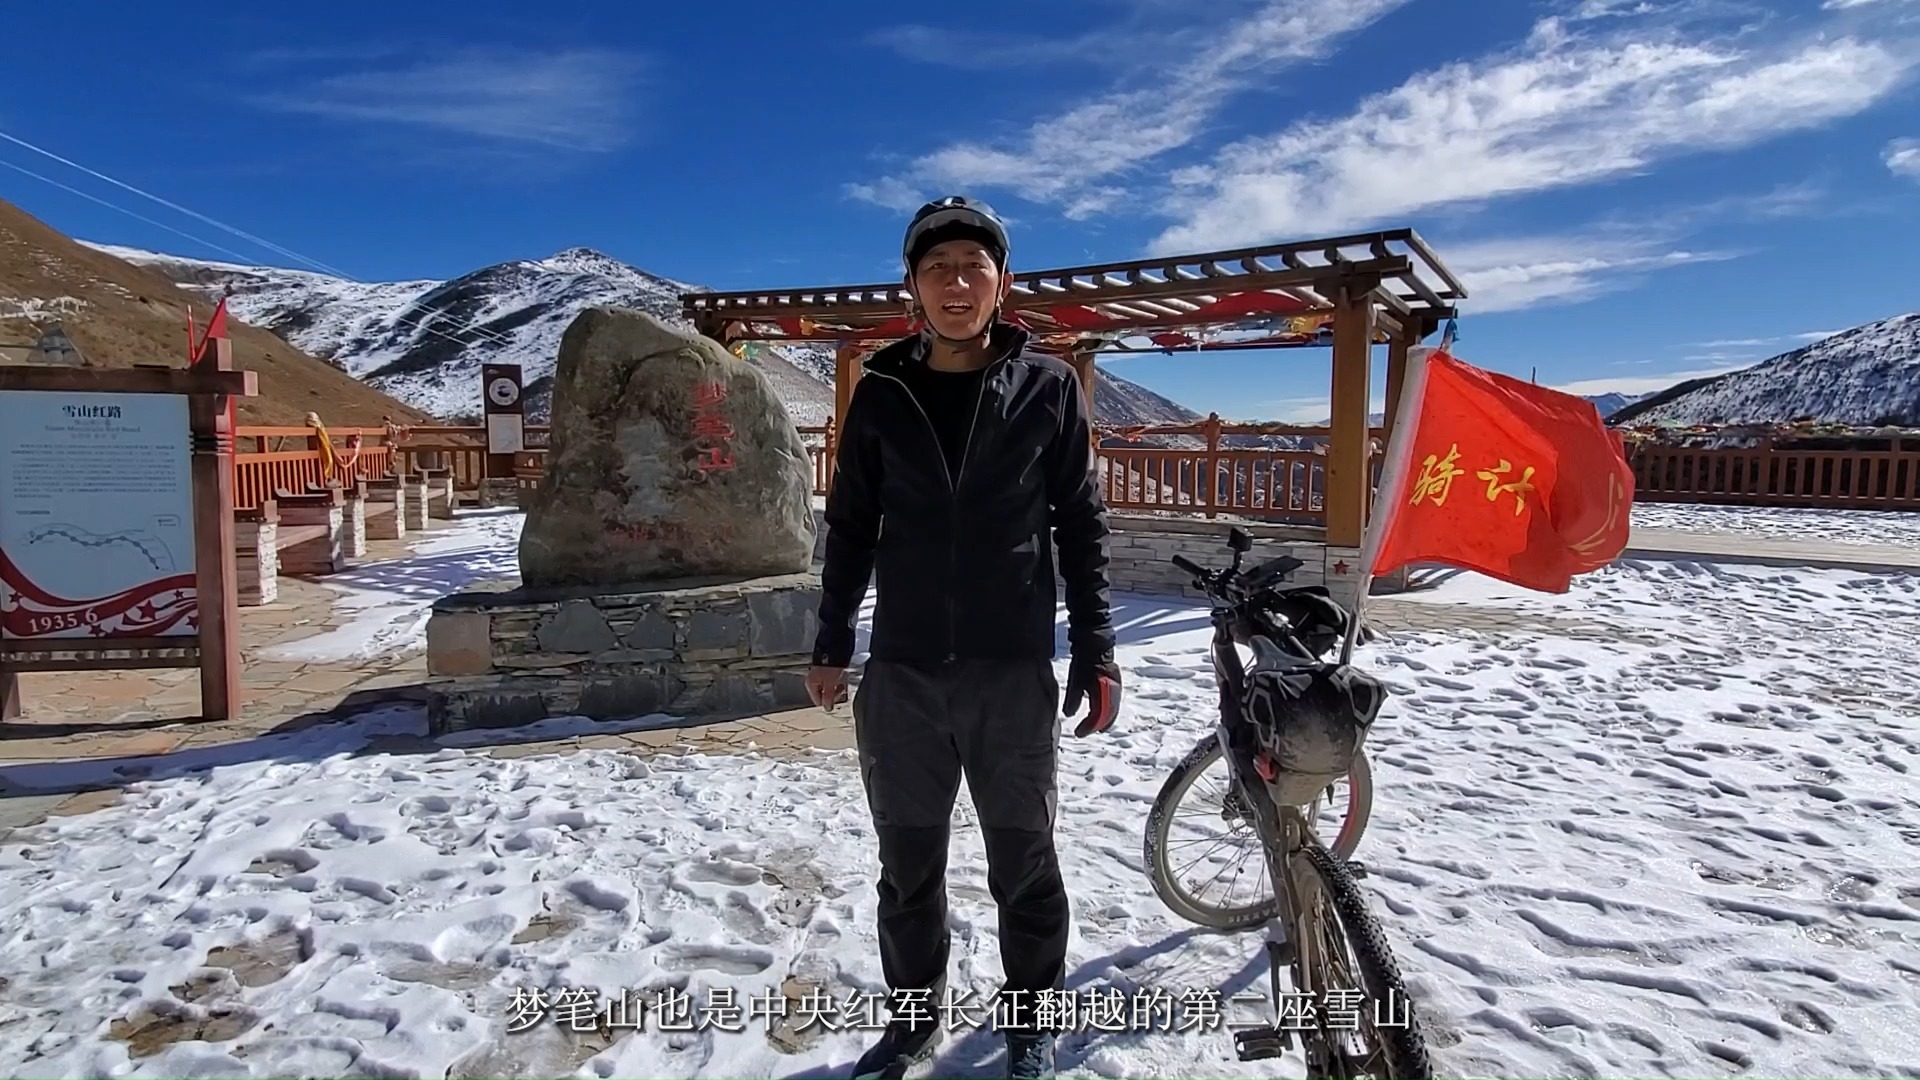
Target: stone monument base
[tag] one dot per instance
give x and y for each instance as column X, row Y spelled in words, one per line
column 712, row 648
column 499, row 491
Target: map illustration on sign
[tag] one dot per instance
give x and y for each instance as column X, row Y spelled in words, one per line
column 96, row 516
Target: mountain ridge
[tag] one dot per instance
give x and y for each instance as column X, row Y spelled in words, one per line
column 423, row 340
column 119, row 314
column 1866, row 376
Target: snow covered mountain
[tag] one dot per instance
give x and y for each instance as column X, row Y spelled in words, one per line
column 1608, row 404
column 424, row 341
column 1869, row 375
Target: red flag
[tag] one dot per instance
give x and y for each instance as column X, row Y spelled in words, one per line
column 1504, row 478
column 216, row 328
column 217, row 324
column 203, row 354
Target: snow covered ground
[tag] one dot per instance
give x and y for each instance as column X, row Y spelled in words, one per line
column 385, row 605
column 1851, row 527
column 1679, row 855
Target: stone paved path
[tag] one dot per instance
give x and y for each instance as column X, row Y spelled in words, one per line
column 1682, row 544
column 117, row 719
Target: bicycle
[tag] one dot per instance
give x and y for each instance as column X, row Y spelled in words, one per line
column 1293, row 756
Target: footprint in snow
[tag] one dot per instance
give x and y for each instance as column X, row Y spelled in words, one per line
column 724, row 959
column 1164, row 671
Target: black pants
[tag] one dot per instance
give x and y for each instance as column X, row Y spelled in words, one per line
column 919, row 728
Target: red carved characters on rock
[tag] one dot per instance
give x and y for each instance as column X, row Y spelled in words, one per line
column 711, row 427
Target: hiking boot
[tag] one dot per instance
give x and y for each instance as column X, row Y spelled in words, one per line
column 900, row 1048
column 1029, row 1056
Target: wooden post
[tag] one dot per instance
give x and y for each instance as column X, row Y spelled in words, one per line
column 846, row 372
column 1347, row 445
column 1211, row 481
column 1082, row 361
column 828, row 450
column 216, row 578
column 1397, row 350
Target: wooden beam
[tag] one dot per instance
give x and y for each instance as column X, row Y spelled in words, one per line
column 1347, row 449
column 25, row 662
column 1049, row 288
column 136, row 380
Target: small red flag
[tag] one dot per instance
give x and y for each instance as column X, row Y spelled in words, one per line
column 217, row 324
column 1504, row 478
column 216, row 328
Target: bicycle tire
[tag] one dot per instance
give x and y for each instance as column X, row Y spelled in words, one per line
column 1405, row 1048
column 1160, row 817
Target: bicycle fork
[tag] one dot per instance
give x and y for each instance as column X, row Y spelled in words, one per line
column 1262, row 1043
column 1282, row 948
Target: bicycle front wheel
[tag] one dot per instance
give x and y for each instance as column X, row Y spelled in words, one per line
column 1349, row 966
column 1203, row 854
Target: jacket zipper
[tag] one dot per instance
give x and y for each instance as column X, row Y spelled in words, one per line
column 953, row 482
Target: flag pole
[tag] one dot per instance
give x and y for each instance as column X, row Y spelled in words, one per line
column 1387, row 501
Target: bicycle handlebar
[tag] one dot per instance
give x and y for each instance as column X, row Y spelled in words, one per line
column 1231, row 586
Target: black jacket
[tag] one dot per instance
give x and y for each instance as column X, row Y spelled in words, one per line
column 966, row 572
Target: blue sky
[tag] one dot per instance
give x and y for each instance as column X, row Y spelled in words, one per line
column 1634, row 190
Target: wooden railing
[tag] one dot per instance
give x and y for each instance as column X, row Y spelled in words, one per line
column 1766, row 475
column 462, row 450
column 1267, row 483
column 1282, row 485
column 270, row 459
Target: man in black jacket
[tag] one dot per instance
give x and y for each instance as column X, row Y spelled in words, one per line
column 963, row 458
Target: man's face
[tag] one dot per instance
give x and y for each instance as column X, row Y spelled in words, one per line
column 958, row 284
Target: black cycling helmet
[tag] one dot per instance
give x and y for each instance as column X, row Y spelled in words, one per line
column 955, row 217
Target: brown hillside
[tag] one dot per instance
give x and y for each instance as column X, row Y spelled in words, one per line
column 120, row 315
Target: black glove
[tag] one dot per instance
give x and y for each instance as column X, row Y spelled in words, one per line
column 1099, row 682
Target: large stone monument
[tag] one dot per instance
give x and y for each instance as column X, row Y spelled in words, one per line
column 665, row 557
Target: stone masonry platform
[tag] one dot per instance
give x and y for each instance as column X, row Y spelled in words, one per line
column 504, row 657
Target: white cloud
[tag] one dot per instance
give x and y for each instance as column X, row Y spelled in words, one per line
column 1520, row 272
column 1562, row 111
column 1842, row 5
column 1754, row 343
column 889, row 192
column 1903, row 157
column 1609, row 9
column 977, row 50
column 1293, row 410
column 1072, row 159
column 574, row 99
column 1643, row 384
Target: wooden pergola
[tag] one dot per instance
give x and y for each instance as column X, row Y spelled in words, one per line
column 1349, row 292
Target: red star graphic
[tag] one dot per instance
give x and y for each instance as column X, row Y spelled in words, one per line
column 145, row 612
column 97, row 630
column 1340, row 567
column 193, row 622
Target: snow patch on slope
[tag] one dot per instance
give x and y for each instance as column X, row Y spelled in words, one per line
column 1865, row 376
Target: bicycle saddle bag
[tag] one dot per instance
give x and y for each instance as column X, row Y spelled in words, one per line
column 1317, row 619
column 1311, row 718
